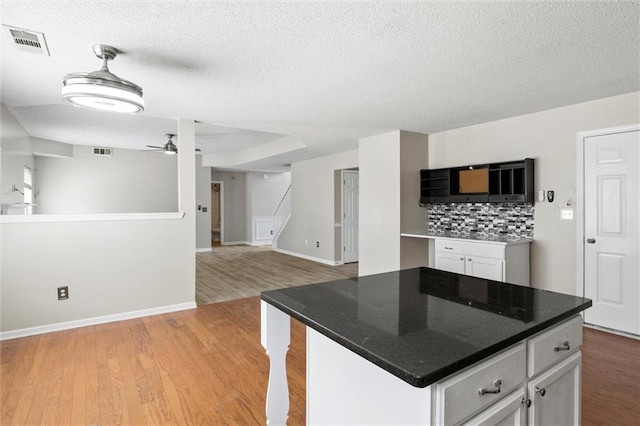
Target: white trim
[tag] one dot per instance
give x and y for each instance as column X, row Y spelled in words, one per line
column 204, row 250
column 235, row 243
column 580, row 213
column 43, row 218
column 304, row 256
column 611, row 330
column 50, row 328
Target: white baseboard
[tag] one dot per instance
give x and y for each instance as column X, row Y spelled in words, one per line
column 236, row 243
column 304, row 256
column 261, row 243
column 612, row 331
column 203, row 250
column 50, row 328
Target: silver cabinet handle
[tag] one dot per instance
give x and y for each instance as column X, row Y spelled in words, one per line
column 542, row 392
column 497, row 385
column 591, row 240
column 462, row 258
column 526, row 402
column 565, row 347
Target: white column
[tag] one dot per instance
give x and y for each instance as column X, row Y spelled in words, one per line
column 275, row 336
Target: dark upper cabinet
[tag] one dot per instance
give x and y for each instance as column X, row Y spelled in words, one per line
column 507, row 182
column 434, row 186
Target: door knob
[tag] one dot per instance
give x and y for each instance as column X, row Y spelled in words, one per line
column 591, row 240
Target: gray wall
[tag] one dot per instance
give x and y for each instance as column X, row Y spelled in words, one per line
column 235, row 204
column 128, row 181
column 111, row 266
column 246, row 195
column 313, row 201
column 203, row 199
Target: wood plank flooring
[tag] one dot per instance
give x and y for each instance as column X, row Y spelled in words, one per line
column 201, row 366
column 206, row 366
column 234, row 272
column 610, row 379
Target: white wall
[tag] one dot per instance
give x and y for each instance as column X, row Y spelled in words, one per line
column 312, row 215
column 128, row 181
column 390, row 164
column 267, row 192
column 111, row 267
column 13, row 174
column 550, row 138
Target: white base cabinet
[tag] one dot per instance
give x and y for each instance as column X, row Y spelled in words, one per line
column 343, row 388
column 555, row 394
column 509, row 411
column 498, row 261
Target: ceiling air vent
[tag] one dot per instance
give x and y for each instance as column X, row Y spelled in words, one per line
column 28, row 41
column 105, row 152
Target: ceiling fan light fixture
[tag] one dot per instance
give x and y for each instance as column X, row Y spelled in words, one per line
column 102, row 90
column 170, row 149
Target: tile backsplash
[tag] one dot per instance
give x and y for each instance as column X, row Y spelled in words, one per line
column 493, row 219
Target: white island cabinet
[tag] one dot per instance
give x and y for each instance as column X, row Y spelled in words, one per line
column 380, row 351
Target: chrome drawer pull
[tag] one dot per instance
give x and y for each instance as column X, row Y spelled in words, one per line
column 542, row 392
column 497, row 384
column 526, row 402
column 565, row 347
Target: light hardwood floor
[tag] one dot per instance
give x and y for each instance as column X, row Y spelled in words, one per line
column 206, row 366
column 234, row 272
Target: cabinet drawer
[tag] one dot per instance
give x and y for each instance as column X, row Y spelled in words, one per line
column 485, row 250
column 448, row 246
column 548, row 347
column 460, row 396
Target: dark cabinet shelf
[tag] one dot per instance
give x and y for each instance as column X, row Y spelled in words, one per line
column 507, row 182
column 434, row 186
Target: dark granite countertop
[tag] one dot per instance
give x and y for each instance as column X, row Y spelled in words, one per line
column 424, row 324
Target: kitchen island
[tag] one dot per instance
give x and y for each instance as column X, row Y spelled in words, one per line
column 424, row 346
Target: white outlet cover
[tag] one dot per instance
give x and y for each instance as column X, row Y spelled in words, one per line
column 541, row 196
column 566, row 214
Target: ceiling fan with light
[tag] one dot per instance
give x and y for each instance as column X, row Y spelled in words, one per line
column 169, row 147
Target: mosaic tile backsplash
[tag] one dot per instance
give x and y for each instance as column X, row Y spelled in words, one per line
column 511, row 220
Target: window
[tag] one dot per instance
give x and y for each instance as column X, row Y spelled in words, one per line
column 28, row 189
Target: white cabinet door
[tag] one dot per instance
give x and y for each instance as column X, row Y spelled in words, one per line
column 510, row 411
column 483, row 267
column 555, row 394
column 450, row 262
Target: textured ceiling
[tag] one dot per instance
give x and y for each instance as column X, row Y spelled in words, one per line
column 325, row 74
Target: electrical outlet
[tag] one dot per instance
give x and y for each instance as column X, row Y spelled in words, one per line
column 63, row 293
column 566, row 214
column 541, row 196
column 317, row 243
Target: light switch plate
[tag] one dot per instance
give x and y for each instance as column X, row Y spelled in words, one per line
column 541, row 196
column 566, row 214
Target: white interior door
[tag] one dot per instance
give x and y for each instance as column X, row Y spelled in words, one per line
column 611, row 246
column 350, row 209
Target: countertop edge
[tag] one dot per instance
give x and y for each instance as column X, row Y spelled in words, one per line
column 429, row 379
column 429, row 236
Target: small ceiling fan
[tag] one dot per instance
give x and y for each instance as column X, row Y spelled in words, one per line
column 169, row 147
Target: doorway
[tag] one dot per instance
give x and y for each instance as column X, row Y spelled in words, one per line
column 216, row 214
column 608, row 227
column 350, row 215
